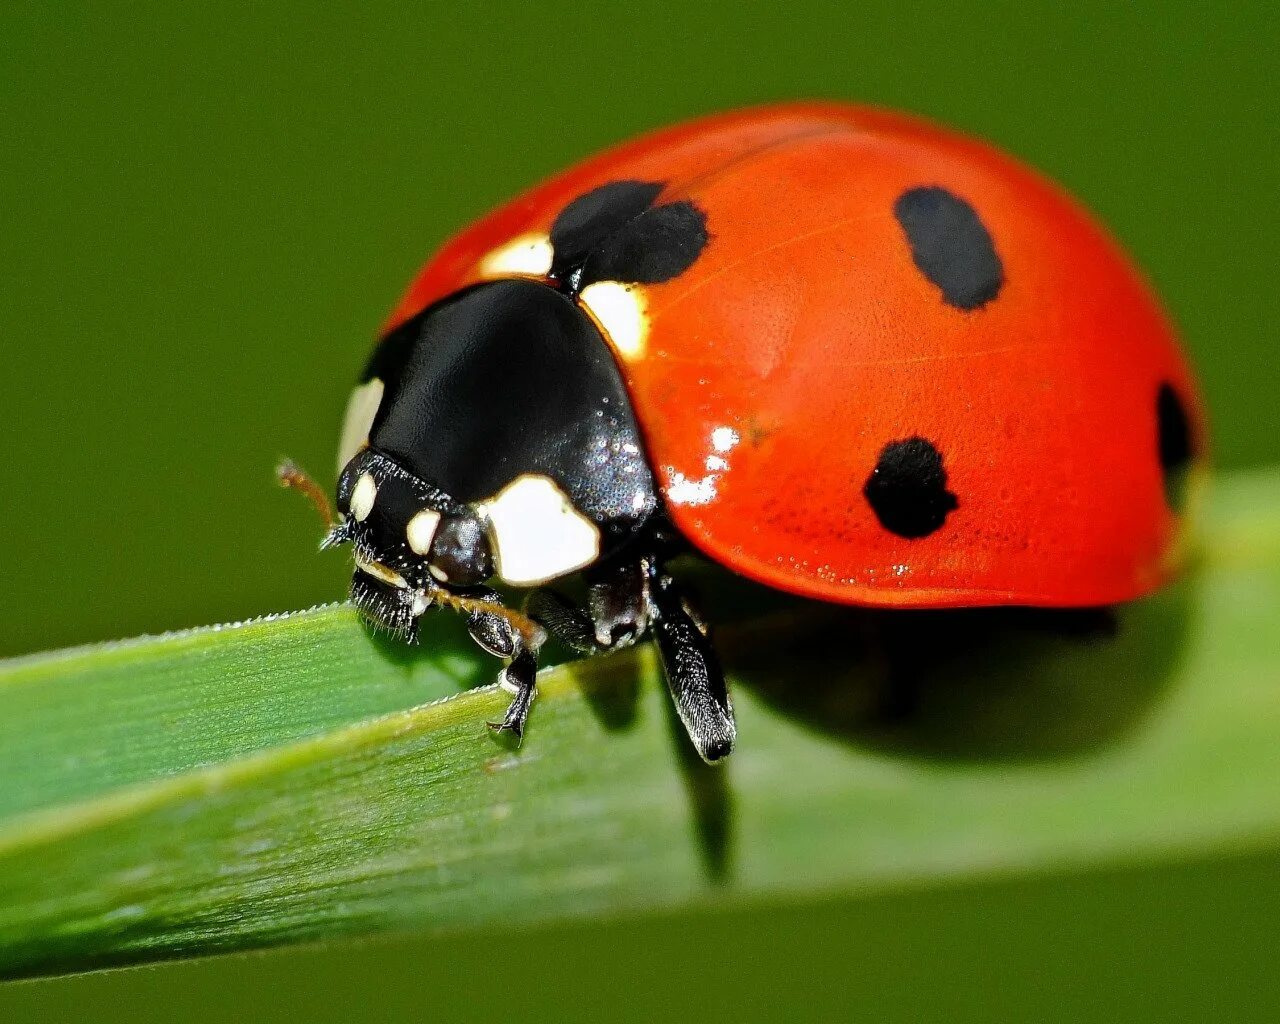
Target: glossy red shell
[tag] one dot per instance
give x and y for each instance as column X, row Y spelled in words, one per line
column 806, row 329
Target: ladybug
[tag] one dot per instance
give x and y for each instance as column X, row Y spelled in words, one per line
column 840, row 351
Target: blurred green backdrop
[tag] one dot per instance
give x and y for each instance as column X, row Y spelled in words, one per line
column 209, row 209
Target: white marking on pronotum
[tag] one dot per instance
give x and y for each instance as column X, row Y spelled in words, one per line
column 537, row 533
column 363, row 495
column 622, row 313
column 683, row 490
column 526, row 256
column 421, row 530
column 362, row 407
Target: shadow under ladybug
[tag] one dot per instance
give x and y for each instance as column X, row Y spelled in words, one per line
column 1015, row 685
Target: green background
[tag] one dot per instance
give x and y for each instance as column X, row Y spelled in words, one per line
column 208, row 210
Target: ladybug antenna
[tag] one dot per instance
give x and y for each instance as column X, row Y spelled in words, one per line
column 294, row 477
column 532, row 634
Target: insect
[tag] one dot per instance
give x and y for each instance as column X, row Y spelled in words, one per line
column 838, row 350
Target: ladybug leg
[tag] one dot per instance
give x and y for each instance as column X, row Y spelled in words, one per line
column 691, row 667
column 521, row 678
column 616, row 618
column 622, row 604
column 616, row 614
column 499, row 637
column 619, row 606
column 564, row 620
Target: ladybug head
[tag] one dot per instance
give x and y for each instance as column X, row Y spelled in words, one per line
column 411, row 540
column 498, row 441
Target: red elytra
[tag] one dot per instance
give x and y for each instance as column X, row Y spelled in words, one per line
column 808, row 336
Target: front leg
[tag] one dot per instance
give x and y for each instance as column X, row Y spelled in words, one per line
column 616, row 618
column 520, row 678
column 616, row 614
column 497, row 635
column 622, row 605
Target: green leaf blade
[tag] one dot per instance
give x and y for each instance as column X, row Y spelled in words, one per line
column 319, row 806
column 93, row 719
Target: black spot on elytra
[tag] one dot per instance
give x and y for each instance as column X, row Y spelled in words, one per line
column 908, row 488
column 1174, row 441
column 591, row 217
column 615, row 233
column 950, row 246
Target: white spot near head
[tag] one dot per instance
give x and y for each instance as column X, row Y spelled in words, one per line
column 537, row 533
column 363, row 495
column 421, row 530
column 622, row 313
column 362, row 407
column 526, row 256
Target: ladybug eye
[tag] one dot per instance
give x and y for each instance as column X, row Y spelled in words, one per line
column 459, row 552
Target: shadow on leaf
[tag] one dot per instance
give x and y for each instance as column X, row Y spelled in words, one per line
column 976, row 684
